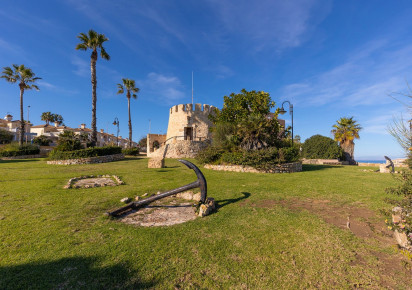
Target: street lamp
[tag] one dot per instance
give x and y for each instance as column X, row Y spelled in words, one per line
column 283, row 111
column 116, row 122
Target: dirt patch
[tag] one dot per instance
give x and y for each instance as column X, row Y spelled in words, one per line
column 165, row 212
column 94, row 182
column 362, row 222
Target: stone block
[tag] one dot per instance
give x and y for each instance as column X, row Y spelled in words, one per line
column 383, row 169
column 207, row 208
column 156, row 163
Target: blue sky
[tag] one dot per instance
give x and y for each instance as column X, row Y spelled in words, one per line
column 329, row 58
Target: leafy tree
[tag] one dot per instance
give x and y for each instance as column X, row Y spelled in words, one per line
column 26, row 78
column 5, row 137
column 142, row 142
column 131, row 90
column 401, row 130
column 252, row 126
column 42, row 141
column 93, row 41
column 321, row 147
column 345, row 131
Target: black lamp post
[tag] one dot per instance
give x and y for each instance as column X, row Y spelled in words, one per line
column 283, row 111
column 116, row 122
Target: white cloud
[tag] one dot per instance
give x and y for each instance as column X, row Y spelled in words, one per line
column 165, row 89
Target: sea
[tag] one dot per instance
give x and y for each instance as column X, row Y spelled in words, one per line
column 371, row 161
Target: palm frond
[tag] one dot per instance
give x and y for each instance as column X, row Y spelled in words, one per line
column 104, row 54
column 121, row 89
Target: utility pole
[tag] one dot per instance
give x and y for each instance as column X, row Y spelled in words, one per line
column 192, row 88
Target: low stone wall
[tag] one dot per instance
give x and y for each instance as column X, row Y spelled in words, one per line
column 281, row 168
column 89, row 160
column 179, row 149
column 21, row 157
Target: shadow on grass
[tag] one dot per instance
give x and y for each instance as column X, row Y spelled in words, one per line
column 224, row 202
column 313, row 167
column 70, row 273
column 18, row 160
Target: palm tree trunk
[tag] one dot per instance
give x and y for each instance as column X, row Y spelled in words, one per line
column 21, row 137
column 94, row 97
column 348, row 147
column 130, row 121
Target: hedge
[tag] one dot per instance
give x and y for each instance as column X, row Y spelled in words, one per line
column 259, row 159
column 16, row 150
column 131, row 151
column 84, row 153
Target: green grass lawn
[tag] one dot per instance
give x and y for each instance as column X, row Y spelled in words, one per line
column 52, row 237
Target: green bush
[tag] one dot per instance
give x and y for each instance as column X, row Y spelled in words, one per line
column 16, row 150
column 321, row 147
column 42, row 141
column 131, row 151
column 209, row 155
column 5, row 137
column 261, row 159
column 84, row 153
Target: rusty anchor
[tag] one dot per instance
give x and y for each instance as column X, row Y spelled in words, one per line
column 200, row 182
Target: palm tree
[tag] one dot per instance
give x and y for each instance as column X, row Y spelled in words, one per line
column 345, row 131
column 93, row 41
column 47, row 117
column 26, row 78
column 131, row 90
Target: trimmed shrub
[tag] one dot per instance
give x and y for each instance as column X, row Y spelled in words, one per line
column 131, row 151
column 321, row 147
column 84, row 153
column 16, row 150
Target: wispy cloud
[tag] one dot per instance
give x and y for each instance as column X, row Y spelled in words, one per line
column 165, row 89
column 366, row 78
column 271, row 24
column 49, row 86
column 82, row 67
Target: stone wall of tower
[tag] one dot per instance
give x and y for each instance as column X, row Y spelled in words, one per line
column 189, row 116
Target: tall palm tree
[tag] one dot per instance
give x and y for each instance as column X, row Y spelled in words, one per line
column 47, row 117
column 26, row 78
column 345, row 131
column 131, row 90
column 94, row 41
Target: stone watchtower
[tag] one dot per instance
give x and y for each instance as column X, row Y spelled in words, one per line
column 187, row 132
column 188, row 123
